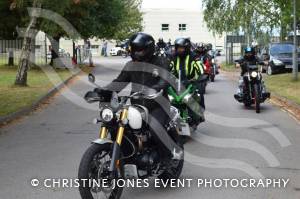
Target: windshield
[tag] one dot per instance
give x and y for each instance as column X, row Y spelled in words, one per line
column 278, row 49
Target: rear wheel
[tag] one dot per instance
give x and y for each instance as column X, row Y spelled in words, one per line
column 94, row 166
column 212, row 78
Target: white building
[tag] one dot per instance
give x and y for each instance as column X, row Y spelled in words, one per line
column 174, row 23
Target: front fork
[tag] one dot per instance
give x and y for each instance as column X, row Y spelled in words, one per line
column 117, row 144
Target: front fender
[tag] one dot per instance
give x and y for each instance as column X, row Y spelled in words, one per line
column 103, row 141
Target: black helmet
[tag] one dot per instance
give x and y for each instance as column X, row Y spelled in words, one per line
column 142, row 47
column 200, row 48
column 183, row 42
column 160, row 40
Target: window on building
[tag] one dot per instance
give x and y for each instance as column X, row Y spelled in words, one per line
column 165, row 27
column 182, row 27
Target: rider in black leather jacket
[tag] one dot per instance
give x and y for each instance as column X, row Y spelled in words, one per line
column 147, row 72
column 249, row 58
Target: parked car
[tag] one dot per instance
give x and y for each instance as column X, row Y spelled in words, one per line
column 120, row 48
column 278, row 57
column 115, row 51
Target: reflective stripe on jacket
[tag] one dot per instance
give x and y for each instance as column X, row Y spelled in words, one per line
column 193, row 68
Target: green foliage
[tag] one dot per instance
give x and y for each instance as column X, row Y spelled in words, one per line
column 250, row 16
column 131, row 20
column 108, row 19
column 9, row 20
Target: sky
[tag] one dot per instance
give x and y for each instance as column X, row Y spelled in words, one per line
column 183, row 4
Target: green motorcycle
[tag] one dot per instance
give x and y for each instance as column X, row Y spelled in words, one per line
column 187, row 102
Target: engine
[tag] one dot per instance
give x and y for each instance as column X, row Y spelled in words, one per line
column 148, row 159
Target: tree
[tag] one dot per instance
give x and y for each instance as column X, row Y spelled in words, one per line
column 8, row 26
column 250, row 16
column 93, row 18
column 21, row 78
column 131, row 22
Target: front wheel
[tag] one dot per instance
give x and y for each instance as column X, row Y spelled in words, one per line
column 257, row 98
column 94, row 167
column 174, row 167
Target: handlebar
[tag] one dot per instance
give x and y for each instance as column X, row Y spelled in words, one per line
column 142, row 94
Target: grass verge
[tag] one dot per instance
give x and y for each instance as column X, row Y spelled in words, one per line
column 229, row 67
column 283, row 85
column 14, row 98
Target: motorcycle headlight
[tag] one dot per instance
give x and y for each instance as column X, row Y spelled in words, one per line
column 171, row 98
column 254, row 74
column 277, row 62
column 187, row 98
column 107, row 114
column 213, row 61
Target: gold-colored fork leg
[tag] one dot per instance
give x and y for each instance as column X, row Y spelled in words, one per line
column 103, row 133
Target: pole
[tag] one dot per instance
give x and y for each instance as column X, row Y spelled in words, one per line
column 46, row 57
column 295, row 54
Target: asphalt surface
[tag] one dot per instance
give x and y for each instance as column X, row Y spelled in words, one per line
column 233, row 143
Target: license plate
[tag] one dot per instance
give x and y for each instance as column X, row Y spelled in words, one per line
column 185, row 130
column 288, row 66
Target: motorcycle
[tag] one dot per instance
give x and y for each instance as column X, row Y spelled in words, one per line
column 211, row 68
column 253, row 89
column 214, row 69
column 125, row 148
column 161, row 52
column 125, row 52
column 188, row 102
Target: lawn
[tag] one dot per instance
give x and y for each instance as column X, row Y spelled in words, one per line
column 229, row 67
column 14, row 98
column 284, row 86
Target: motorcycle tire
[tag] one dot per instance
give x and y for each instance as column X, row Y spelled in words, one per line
column 86, row 165
column 257, row 98
column 173, row 172
column 247, row 102
column 212, row 78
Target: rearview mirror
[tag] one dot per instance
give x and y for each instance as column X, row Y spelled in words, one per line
column 91, row 97
column 92, row 78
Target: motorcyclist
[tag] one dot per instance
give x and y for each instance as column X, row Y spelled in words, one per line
column 185, row 63
column 249, row 58
column 161, row 43
column 148, row 72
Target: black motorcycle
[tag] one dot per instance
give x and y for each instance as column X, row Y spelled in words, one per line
column 253, row 90
column 126, row 148
column 161, row 52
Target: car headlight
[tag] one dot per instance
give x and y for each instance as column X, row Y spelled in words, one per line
column 107, row 114
column 187, row 98
column 254, row 74
column 277, row 62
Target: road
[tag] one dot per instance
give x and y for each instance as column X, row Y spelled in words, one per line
column 232, row 143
